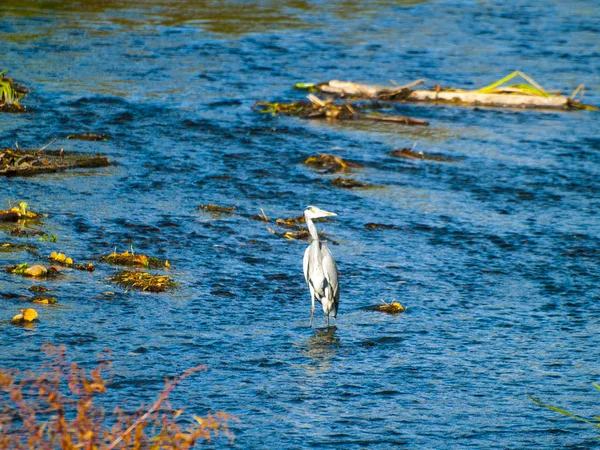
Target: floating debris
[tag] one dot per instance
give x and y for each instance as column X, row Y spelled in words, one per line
column 330, row 163
column 43, row 300
column 89, row 136
column 33, row 162
column 135, row 260
column 498, row 94
column 10, row 93
column 217, row 209
column 26, row 316
column 380, row 226
column 349, row 183
column 143, row 281
column 411, row 154
column 316, row 108
column 390, row 308
column 16, row 214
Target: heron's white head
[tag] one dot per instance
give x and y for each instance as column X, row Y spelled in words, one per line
column 312, row 212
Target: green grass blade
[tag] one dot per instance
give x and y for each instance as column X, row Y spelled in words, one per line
column 533, row 86
column 562, row 411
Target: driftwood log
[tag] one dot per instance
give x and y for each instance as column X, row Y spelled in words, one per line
column 501, row 97
column 502, row 100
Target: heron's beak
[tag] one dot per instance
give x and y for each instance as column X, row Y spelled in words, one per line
column 327, row 213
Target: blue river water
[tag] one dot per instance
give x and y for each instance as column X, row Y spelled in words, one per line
column 496, row 255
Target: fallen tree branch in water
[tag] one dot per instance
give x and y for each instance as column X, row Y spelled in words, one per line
column 34, row 162
column 317, row 108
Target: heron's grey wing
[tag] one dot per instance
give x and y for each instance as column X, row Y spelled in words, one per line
column 305, row 263
column 331, row 273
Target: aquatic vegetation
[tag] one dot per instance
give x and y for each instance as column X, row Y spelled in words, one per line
column 349, row 183
column 7, row 247
column 37, row 288
column 65, row 261
column 15, row 162
column 43, row 300
column 330, row 163
column 60, row 257
column 301, row 235
column 292, row 109
column 135, row 260
column 26, row 316
column 10, row 93
column 86, row 136
column 17, row 213
column 262, row 216
column 216, row 209
column 291, row 222
column 20, row 232
column 390, row 308
column 59, row 406
column 48, row 238
column 316, row 108
column 143, row 281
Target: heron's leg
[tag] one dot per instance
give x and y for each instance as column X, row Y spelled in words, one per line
column 327, row 320
column 312, row 309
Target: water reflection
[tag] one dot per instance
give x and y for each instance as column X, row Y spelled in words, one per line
column 231, row 17
column 321, row 348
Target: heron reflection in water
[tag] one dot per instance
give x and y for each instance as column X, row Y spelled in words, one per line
column 320, row 349
column 320, row 270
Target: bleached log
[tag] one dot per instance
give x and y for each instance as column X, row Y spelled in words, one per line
column 470, row 98
column 501, row 100
column 349, row 88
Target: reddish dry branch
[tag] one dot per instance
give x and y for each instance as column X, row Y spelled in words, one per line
column 58, row 408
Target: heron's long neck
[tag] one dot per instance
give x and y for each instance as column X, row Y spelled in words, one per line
column 311, row 228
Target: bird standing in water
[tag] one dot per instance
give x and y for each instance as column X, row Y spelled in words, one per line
column 320, row 270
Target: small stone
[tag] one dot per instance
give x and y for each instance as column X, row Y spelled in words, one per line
column 36, row 271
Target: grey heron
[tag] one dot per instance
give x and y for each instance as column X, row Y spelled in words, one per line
column 320, row 270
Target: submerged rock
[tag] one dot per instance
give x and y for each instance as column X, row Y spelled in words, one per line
column 349, row 183
column 330, row 163
column 411, row 154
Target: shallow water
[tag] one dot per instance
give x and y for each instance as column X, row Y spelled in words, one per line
column 496, row 255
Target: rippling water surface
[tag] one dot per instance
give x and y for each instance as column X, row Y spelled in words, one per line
column 496, row 255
